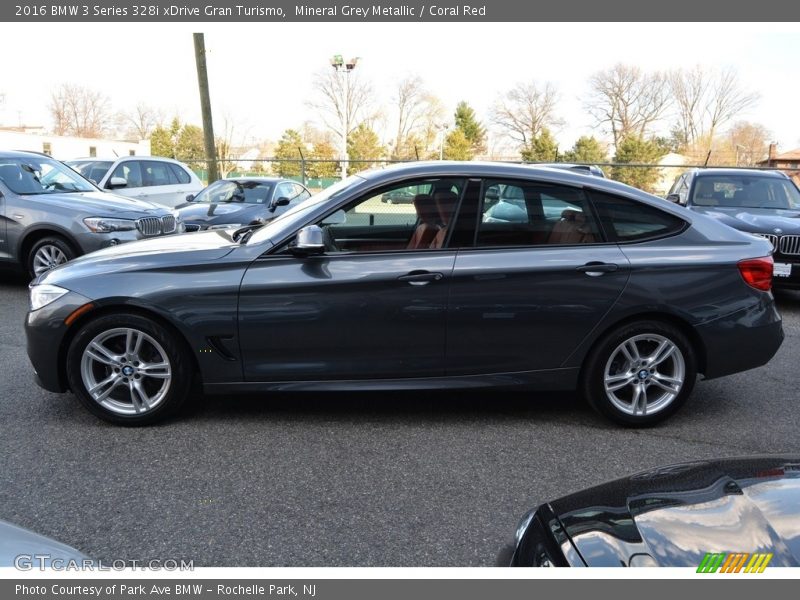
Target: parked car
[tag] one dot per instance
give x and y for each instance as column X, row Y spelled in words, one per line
column 578, row 168
column 240, row 201
column 764, row 203
column 402, row 196
column 724, row 515
column 50, row 214
column 622, row 296
column 155, row 179
column 27, row 550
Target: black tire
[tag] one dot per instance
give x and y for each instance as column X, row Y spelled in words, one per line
column 608, row 356
column 119, row 406
column 53, row 245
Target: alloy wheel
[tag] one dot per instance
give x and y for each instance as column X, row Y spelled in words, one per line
column 48, row 257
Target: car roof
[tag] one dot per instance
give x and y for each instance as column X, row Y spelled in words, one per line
column 708, row 172
column 23, row 154
column 257, row 178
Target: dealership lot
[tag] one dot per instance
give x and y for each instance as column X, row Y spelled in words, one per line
column 400, row 479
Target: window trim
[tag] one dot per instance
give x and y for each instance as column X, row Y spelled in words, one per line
column 612, row 237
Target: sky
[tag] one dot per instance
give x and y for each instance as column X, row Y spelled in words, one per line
column 260, row 74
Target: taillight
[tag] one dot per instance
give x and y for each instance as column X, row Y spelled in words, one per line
column 757, row 272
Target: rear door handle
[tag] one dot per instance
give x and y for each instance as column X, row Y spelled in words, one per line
column 596, row 268
column 420, row 277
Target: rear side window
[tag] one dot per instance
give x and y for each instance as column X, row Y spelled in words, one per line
column 181, row 175
column 157, row 173
column 626, row 220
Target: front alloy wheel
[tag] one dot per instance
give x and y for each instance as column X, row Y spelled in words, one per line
column 128, row 369
column 641, row 374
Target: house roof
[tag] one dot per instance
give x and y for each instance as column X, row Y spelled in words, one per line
column 790, row 155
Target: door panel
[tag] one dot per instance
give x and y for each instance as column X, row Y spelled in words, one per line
column 527, row 309
column 345, row 316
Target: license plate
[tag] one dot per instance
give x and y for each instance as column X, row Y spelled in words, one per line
column 782, row 270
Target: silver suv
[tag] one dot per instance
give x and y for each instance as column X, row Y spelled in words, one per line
column 49, row 214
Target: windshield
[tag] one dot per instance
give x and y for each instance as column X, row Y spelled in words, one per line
column 746, row 191
column 38, row 175
column 296, row 213
column 248, row 192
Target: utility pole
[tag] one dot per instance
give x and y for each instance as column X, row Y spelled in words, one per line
column 205, row 106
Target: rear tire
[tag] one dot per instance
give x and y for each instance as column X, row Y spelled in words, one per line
column 640, row 374
column 128, row 370
column 48, row 253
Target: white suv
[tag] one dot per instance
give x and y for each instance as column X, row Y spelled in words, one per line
column 155, row 179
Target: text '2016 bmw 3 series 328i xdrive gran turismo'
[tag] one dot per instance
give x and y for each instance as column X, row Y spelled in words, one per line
column 577, row 283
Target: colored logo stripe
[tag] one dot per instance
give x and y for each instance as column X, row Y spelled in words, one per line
column 734, row 562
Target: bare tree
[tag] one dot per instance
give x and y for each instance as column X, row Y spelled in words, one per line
column 80, row 111
column 689, row 89
column 628, row 100
column 728, row 99
column 749, row 143
column 411, row 99
column 343, row 101
column 142, row 120
column 525, row 111
column 707, row 100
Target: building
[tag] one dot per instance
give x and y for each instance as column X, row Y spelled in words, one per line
column 788, row 162
column 64, row 148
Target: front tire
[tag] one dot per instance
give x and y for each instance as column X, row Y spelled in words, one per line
column 48, row 253
column 641, row 374
column 128, row 369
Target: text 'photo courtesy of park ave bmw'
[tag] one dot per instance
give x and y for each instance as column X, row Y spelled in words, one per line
column 299, row 294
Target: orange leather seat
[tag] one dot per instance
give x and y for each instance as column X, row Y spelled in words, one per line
column 571, row 229
column 428, row 226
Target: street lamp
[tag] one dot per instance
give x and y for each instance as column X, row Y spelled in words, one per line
column 343, row 69
column 443, row 129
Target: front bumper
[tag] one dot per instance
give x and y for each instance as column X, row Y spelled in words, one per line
column 45, row 333
column 743, row 340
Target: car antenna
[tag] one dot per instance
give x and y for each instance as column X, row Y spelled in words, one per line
column 708, row 156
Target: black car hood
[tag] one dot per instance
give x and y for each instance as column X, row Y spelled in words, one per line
column 101, row 203
column 168, row 251
column 223, row 212
column 755, row 220
column 673, row 516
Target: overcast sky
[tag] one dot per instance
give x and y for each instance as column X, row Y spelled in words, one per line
column 260, row 74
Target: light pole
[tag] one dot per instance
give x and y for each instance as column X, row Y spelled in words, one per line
column 343, row 69
column 443, row 129
column 737, row 152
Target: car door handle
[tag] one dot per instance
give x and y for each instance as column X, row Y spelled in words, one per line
column 596, row 268
column 420, row 277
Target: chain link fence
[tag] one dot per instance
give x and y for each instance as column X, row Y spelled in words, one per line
column 317, row 174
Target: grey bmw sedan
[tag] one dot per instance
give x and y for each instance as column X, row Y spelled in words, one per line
column 585, row 285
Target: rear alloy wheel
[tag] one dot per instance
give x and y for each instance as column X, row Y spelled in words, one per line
column 48, row 253
column 126, row 369
column 641, row 374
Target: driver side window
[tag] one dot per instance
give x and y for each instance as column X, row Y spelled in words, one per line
column 412, row 215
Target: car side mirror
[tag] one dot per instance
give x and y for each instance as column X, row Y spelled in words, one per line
column 673, row 198
column 282, row 201
column 117, row 182
column 189, row 197
column 310, row 241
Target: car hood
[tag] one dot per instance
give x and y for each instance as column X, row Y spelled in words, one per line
column 674, row 515
column 99, row 203
column 16, row 541
column 165, row 251
column 223, row 211
column 755, row 220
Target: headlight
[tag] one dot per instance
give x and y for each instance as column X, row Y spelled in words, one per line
column 44, row 294
column 226, row 226
column 105, row 225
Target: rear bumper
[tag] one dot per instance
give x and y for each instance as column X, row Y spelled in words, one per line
column 743, row 340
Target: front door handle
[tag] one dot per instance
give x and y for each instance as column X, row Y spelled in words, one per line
column 420, row 277
column 596, row 268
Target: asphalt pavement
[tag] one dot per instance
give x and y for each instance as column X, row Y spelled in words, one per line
column 399, row 479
